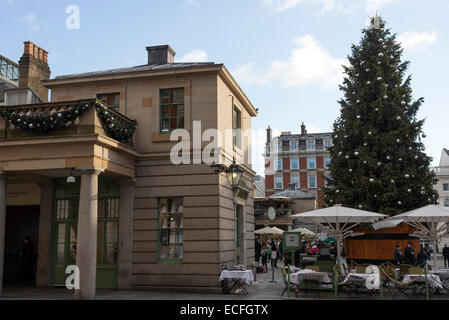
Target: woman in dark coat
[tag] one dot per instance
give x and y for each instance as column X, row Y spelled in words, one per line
column 27, row 262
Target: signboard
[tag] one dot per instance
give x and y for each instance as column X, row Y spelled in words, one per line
column 292, row 240
column 271, row 214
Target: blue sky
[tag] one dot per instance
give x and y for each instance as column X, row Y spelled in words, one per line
column 286, row 54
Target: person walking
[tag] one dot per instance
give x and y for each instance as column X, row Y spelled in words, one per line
column 264, row 254
column 398, row 258
column 27, row 262
column 446, row 255
column 409, row 254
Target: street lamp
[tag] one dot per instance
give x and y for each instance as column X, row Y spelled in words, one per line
column 234, row 174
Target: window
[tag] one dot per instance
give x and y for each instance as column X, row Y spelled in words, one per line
column 279, row 164
column 445, row 186
column 312, row 181
column 327, row 143
column 311, row 162
column 111, row 99
column 172, row 109
column 327, row 162
column 278, row 182
column 171, row 220
column 279, row 146
column 294, row 164
column 237, row 127
column 311, row 145
column 293, row 146
column 107, row 237
column 295, row 180
column 446, row 202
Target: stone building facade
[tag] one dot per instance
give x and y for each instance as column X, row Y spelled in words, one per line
column 156, row 224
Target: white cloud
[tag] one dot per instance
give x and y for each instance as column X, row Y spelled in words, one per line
column 31, row 20
column 349, row 7
column 417, row 40
column 194, row 56
column 191, row 2
column 308, row 63
column 374, row 5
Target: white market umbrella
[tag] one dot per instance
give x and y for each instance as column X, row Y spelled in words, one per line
column 306, row 233
column 431, row 221
column 339, row 221
column 268, row 230
column 278, row 230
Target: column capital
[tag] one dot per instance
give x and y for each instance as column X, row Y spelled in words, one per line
column 90, row 170
column 127, row 182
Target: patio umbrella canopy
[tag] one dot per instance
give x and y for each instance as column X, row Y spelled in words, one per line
column 431, row 221
column 338, row 221
column 305, row 233
column 268, row 230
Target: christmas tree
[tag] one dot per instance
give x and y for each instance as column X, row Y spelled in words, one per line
column 378, row 160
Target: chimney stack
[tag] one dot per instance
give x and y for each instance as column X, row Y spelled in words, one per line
column 160, row 54
column 303, row 129
column 269, row 134
column 33, row 68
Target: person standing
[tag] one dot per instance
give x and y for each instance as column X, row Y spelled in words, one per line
column 409, row 254
column 398, row 259
column 446, row 255
column 422, row 257
column 27, row 261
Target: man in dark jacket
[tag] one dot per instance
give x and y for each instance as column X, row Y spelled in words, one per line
column 27, row 262
column 409, row 254
column 398, row 255
column 446, row 255
column 258, row 249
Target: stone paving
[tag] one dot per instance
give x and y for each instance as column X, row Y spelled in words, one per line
column 263, row 289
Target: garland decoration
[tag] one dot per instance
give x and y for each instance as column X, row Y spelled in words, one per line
column 45, row 122
column 114, row 128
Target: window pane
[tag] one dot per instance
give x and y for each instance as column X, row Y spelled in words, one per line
column 312, row 163
column 171, row 221
column 312, row 181
column 60, row 252
column 73, row 238
column 111, row 242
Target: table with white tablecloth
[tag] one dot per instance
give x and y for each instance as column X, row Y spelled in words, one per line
column 301, row 275
column 366, row 278
column 433, row 279
column 238, row 277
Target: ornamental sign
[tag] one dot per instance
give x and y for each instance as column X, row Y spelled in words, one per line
column 271, row 213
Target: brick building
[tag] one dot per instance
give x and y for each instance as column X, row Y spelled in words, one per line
column 301, row 159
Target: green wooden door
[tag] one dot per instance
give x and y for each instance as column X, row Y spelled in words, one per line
column 65, row 235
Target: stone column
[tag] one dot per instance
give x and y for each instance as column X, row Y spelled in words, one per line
column 45, row 227
column 126, row 233
column 86, row 252
column 2, row 224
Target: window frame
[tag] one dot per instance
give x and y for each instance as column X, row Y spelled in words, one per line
column 237, row 128
column 445, row 187
column 114, row 107
column 166, row 260
column 171, row 105
column 281, row 183
column 308, row 181
column 291, row 145
column 308, row 163
column 327, row 166
column 291, row 163
column 314, row 145
column 279, row 167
